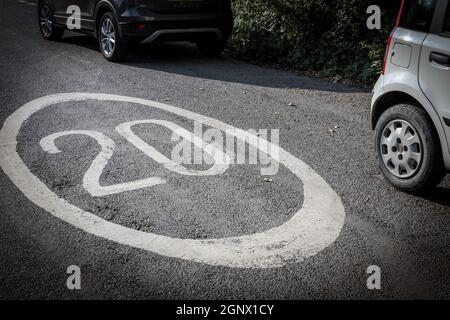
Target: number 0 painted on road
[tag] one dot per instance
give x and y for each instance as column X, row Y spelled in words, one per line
column 312, row 229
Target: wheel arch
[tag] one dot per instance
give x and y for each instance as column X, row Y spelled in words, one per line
column 389, row 100
column 50, row 2
column 101, row 8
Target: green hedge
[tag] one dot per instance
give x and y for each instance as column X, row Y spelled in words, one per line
column 328, row 37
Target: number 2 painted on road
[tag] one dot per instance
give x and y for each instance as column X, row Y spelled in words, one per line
column 92, row 177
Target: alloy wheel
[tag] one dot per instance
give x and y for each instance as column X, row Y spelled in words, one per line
column 46, row 20
column 107, row 37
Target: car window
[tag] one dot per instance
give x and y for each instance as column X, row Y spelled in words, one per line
column 417, row 14
column 447, row 21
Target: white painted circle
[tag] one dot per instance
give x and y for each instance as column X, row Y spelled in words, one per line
column 312, row 229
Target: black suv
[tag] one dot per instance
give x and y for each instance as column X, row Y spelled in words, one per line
column 119, row 23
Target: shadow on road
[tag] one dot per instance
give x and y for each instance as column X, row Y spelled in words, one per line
column 184, row 58
column 440, row 196
column 82, row 41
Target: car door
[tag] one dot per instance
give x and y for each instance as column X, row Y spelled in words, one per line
column 86, row 10
column 434, row 68
column 60, row 7
column 87, row 13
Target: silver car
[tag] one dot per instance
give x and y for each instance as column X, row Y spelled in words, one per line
column 411, row 100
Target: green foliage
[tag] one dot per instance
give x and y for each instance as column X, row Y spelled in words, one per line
column 328, row 37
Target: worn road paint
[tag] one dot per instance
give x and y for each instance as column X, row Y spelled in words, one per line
column 221, row 160
column 92, row 177
column 312, row 229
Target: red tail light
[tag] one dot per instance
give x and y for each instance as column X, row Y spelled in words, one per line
column 399, row 17
column 388, row 46
column 139, row 26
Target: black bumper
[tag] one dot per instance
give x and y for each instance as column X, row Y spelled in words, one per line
column 139, row 29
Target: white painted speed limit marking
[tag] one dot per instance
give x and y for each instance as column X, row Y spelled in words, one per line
column 219, row 167
column 92, row 176
column 312, row 229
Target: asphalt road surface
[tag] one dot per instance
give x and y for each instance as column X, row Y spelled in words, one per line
column 178, row 239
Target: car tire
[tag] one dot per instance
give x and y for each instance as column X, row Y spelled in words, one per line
column 49, row 30
column 110, row 42
column 211, row 48
column 408, row 149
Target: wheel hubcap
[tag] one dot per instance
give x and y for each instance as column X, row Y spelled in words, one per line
column 401, row 149
column 107, row 36
column 45, row 20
